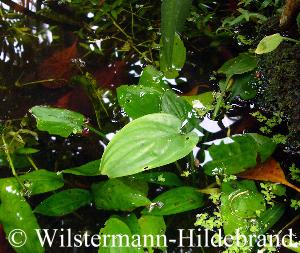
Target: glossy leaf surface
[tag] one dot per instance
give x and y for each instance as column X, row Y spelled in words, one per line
column 38, row 182
column 238, row 153
column 148, row 142
column 16, row 213
column 58, row 121
column 269, row 43
column 88, row 169
column 177, row 200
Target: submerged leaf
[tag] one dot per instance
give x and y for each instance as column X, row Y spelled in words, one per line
column 161, row 178
column 58, row 121
column 64, row 202
column 118, row 194
column 177, row 200
column 243, row 86
column 269, row 43
column 237, row 153
column 268, row 171
column 148, row 142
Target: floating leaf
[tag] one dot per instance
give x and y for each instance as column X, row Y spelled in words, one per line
column 57, row 121
column 151, row 77
column 173, row 104
column 64, row 202
column 270, row 171
column 117, row 194
column 177, row 200
column 16, row 213
column 238, row 153
column 42, row 181
column 154, row 226
column 148, row 142
column 88, row 169
column 241, row 64
column 37, row 182
column 269, row 43
column 240, row 202
column 132, row 222
column 161, row 178
column 114, row 227
column 138, row 101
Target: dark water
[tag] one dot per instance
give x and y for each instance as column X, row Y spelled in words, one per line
column 58, row 153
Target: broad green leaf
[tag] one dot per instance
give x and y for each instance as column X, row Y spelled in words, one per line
column 37, row 182
column 269, row 43
column 238, row 153
column 201, row 103
column 154, row 226
column 138, row 101
column 58, row 121
column 173, row 16
column 241, row 64
column 244, row 86
column 132, row 222
column 151, row 77
column 117, row 194
column 265, row 146
column 41, row 181
column 161, row 178
column 88, row 169
column 177, row 200
column 240, row 202
column 148, row 142
column 64, row 202
column 173, row 104
column 177, row 59
column 117, row 232
column 16, row 213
